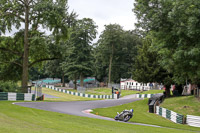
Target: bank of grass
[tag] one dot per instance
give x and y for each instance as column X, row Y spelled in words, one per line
column 108, row 91
column 141, row 115
column 152, row 92
column 97, row 91
column 129, row 92
column 17, row 119
column 63, row 96
column 186, row 105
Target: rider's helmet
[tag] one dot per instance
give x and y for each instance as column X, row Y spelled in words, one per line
column 131, row 110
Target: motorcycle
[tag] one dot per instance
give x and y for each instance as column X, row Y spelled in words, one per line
column 125, row 115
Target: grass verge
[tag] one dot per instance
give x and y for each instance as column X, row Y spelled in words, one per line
column 63, row 96
column 97, row 91
column 141, row 115
column 108, row 91
column 129, row 92
column 186, row 105
column 17, row 119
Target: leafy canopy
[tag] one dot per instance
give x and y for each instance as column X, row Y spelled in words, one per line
column 174, row 26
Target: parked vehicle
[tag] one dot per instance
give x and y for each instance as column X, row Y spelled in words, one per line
column 125, row 115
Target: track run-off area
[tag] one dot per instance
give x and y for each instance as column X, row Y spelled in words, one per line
column 82, row 108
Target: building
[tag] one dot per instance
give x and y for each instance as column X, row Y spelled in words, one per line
column 130, row 84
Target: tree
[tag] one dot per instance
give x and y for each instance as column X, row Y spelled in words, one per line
column 37, row 72
column 147, row 68
column 175, row 28
column 115, row 53
column 55, row 68
column 110, row 39
column 10, row 59
column 32, row 14
column 100, row 70
column 12, row 53
column 127, row 53
column 78, row 61
column 184, row 59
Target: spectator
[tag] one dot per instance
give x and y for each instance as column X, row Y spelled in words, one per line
column 173, row 89
column 164, row 92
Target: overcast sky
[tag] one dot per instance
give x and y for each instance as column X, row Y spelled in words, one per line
column 105, row 12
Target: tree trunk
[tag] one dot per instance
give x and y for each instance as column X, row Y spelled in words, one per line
column 110, row 68
column 110, row 65
column 81, row 80
column 26, row 50
column 63, row 80
column 75, row 81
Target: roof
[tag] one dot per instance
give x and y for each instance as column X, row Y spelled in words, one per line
column 129, row 80
column 86, row 80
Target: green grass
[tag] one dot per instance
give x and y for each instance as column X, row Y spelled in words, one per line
column 187, row 105
column 63, row 96
column 141, row 115
column 152, row 92
column 17, row 119
column 97, row 91
column 129, row 92
column 108, row 91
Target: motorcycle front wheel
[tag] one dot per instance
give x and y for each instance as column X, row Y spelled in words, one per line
column 116, row 118
column 127, row 118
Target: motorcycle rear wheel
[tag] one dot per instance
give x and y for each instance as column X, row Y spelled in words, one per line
column 127, row 118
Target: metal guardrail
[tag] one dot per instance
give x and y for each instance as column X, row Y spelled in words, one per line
column 144, row 95
column 154, row 101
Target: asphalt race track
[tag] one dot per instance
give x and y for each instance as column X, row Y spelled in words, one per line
column 76, row 107
column 79, row 108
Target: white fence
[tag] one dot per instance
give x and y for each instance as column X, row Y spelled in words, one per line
column 171, row 115
column 11, row 96
column 193, row 120
column 82, row 94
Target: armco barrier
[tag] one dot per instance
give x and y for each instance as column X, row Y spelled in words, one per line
column 193, row 120
column 82, row 94
column 10, row 96
column 171, row 115
column 144, row 95
column 154, row 101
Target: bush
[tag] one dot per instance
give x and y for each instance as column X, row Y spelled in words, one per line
column 8, row 86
